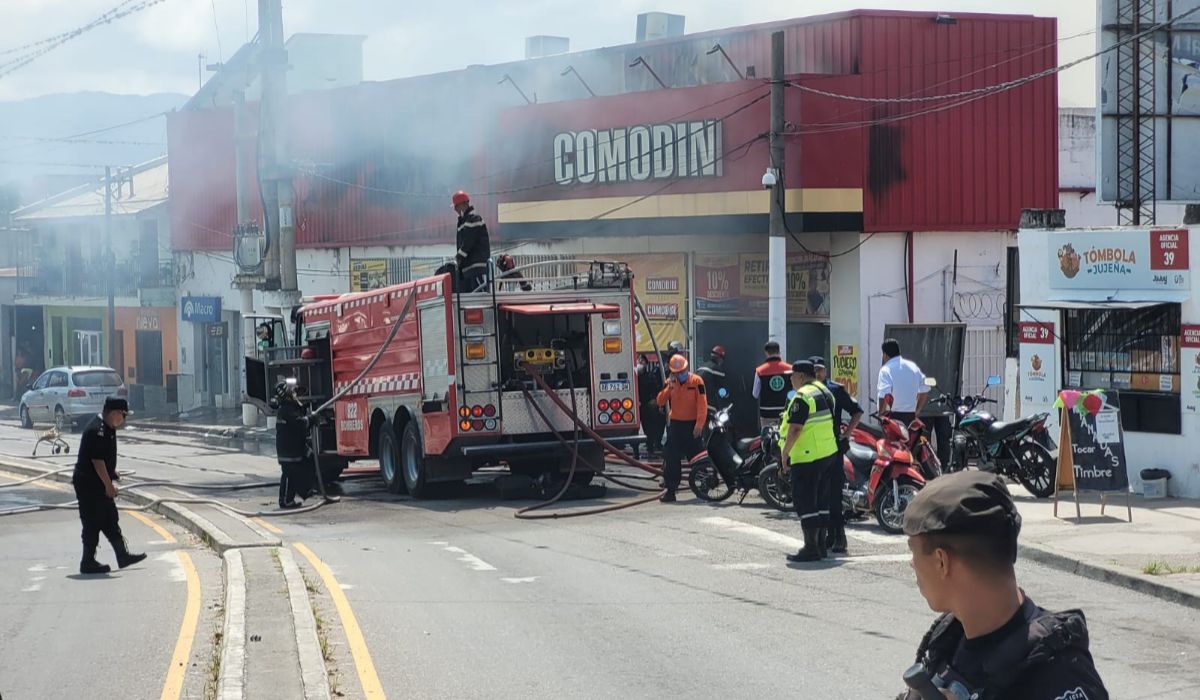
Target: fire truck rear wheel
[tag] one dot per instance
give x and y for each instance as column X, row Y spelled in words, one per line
column 412, row 459
column 390, row 466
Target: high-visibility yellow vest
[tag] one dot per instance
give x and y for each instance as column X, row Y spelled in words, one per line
column 818, row 440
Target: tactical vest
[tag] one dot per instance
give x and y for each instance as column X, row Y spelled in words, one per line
column 818, row 440
column 1040, row 641
column 773, row 387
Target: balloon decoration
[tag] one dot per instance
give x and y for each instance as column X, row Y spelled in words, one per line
column 1081, row 401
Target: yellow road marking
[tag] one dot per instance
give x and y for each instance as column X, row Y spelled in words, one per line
column 162, row 532
column 177, row 671
column 268, row 526
column 371, row 686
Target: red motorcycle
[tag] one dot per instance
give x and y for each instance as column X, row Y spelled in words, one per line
column 882, row 480
column 914, row 436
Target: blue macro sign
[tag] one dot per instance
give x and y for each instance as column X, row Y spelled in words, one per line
column 200, row 309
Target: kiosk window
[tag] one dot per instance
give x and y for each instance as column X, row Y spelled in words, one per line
column 1135, row 351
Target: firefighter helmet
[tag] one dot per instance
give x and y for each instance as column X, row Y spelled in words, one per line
column 718, row 351
column 286, row 388
column 678, row 364
column 460, row 197
column 674, row 348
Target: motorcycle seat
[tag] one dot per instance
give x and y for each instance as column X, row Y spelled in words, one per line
column 1000, row 430
column 863, row 458
column 746, row 444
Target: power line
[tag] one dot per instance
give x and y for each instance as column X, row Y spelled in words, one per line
column 999, row 87
column 45, row 46
column 52, row 139
column 217, row 29
column 56, row 37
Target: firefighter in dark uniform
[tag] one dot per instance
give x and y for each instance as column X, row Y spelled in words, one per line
column 292, row 446
column 992, row 641
column 688, row 416
column 844, row 403
column 771, row 386
column 809, row 447
column 650, row 382
column 713, row 374
column 474, row 247
column 95, row 472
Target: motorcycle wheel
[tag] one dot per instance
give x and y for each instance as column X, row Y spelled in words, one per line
column 707, row 483
column 890, row 514
column 1035, row 469
column 774, row 489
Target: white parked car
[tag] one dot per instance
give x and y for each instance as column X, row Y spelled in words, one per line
column 69, row 396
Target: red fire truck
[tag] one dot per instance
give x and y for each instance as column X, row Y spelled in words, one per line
column 448, row 394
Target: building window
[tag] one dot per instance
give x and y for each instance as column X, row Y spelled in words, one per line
column 1012, row 299
column 1136, row 352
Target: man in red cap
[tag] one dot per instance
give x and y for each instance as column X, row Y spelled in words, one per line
column 474, row 247
column 688, row 415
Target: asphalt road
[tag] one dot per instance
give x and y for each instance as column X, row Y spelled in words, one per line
column 456, row 598
column 63, row 635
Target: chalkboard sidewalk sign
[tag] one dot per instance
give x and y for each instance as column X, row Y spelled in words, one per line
column 1091, row 455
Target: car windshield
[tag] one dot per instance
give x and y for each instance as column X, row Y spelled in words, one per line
column 98, row 379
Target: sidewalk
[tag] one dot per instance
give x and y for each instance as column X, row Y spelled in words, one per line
column 1157, row 554
column 222, row 427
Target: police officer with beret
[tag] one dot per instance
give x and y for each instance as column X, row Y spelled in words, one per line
column 95, row 472
column 992, row 641
column 809, row 448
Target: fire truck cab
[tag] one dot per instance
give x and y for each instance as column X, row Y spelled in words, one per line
column 448, row 395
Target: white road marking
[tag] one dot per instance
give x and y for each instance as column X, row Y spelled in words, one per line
column 439, row 544
column 175, row 567
column 346, row 586
column 37, row 578
column 37, row 567
column 872, row 537
column 469, row 559
column 743, row 566
column 761, row 533
column 682, row 551
column 867, row 558
column 527, row 579
column 32, row 589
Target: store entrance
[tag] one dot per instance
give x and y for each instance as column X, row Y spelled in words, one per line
column 743, row 341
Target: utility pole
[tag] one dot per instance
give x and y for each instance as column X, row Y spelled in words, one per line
column 275, row 166
column 110, row 276
column 777, row 250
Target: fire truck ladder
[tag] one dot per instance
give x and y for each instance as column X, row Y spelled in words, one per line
column 494, row 362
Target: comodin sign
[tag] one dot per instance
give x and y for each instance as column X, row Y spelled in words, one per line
column 639, row 153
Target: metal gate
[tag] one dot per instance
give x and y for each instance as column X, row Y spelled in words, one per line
column 983, row 355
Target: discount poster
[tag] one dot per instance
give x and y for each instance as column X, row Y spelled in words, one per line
column 660, row 282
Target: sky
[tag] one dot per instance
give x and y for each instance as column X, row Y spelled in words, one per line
column 157, row 50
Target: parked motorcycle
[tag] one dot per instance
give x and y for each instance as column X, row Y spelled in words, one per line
column 913, row 436
column 883, row 480
column 1022, row 449
column 727, row 465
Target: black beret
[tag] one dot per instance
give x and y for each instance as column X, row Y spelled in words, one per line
column 969, row 502
column 818, row 361
column 804, row 367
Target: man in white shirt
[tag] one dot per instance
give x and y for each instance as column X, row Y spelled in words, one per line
column 904, row 381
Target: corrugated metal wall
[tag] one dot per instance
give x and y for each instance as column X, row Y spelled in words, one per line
column 964, row 164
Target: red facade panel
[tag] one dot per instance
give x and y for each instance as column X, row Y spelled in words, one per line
column 375, row 163
column 958, row 164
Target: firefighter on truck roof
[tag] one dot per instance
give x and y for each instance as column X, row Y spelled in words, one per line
column 474, row 247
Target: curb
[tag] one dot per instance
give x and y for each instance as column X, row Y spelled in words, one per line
column 313, row 674
column 1141, row 583
column 231, row 684
column 219, row 435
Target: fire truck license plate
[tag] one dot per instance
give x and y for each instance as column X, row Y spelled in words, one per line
column 614, row 386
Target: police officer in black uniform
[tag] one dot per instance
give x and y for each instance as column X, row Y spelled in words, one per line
column 292, row 446
column 844, row 403
column 992, row 642
column 95, row 472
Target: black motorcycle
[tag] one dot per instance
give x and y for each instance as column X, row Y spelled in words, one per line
column 1022, row 449
column 727, row 465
